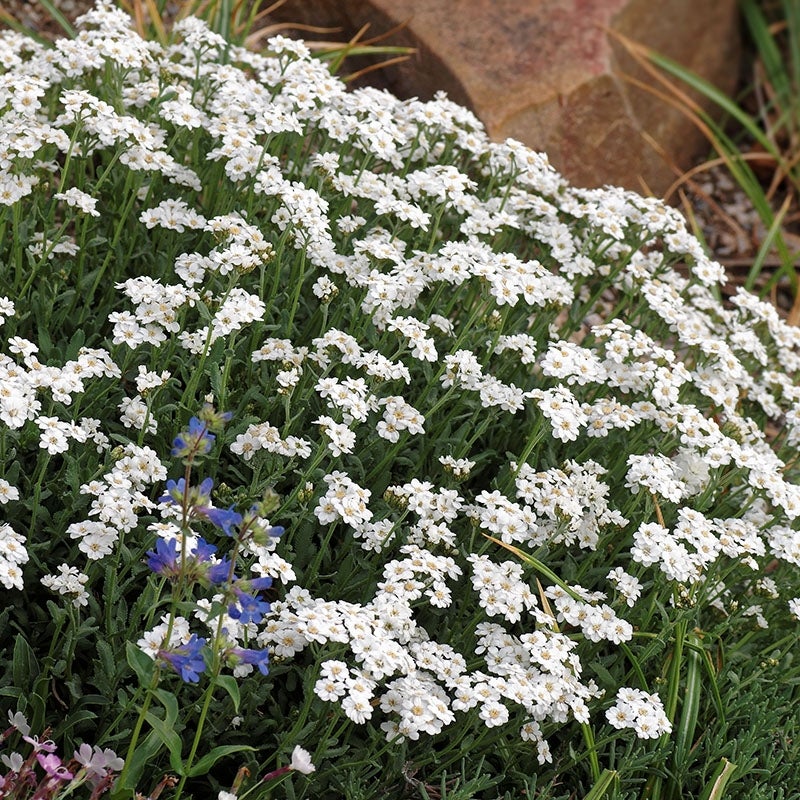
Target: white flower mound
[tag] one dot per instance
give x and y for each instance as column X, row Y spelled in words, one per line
column 687, row 379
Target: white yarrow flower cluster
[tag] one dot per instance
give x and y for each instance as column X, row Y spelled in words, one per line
column 642, row 712
column 69, row 582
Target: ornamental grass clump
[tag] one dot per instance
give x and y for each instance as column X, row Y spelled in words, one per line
column 338, row 440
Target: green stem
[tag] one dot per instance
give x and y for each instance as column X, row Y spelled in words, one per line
column 653, row 790
column 588, row 737
column 137, row 728
column 37, row 491
column 212, row 684
column 298, row 286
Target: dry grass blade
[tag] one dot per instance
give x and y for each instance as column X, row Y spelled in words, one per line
column 687, row 176
column 255, row 39
column 373, row 67
column 9, row 20
column 147, row 18
column 337, row 52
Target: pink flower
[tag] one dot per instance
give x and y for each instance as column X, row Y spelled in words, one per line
column 52, row 765
column 45, row 745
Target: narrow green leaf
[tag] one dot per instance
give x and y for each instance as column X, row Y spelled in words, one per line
column 140, row 663
column 606, row 780
column 715, row 789
column 24, row 667
column 719, row 98
column 719, row 706
column 146, row 749
column 684, row 732
column 231, row 686
column 170, row 703
column 774, row 64
column 537, row 565
column 169, row 738
column 766, row 246
column 63, row 22
column 211, row 758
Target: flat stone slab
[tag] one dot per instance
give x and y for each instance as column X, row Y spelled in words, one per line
column 547, row 72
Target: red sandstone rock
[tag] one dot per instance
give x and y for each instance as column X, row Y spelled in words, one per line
column 546, row 72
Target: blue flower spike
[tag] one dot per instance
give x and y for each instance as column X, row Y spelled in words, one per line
column 199, row 496
column 164, row 559
column 248, row 608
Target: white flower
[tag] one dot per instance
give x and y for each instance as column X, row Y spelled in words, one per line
column 628, row 586
column 70, row 583
column 640, row 711
column 301, row 761
column 8, row 492
column 77, row 199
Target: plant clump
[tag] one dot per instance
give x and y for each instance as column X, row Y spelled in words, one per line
column 531, row 479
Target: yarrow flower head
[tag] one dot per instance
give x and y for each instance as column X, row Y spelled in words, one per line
column 642, row 712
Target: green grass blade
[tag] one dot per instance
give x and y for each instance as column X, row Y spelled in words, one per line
column 538, row 566
column 727, row 149
column 62, row 21
column 766, row 246
column 773, row 61
column 637, row 667
column 14, row 24
column 719, row 707
column 715, row 789
column 720, row 99
column 685, row 729
column 790, row 12
column 606, row 781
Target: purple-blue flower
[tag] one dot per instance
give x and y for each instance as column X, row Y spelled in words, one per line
column 203, row 550
column 242, row 655
column 259, row 584
column 186, row 659
column 248, row 608
column 164, row 560
column 196, row 441
column 223, row 518
column 215, row 420
column 198, row 495
column 220, row 572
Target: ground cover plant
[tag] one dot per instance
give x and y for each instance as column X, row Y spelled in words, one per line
column 345, row 453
